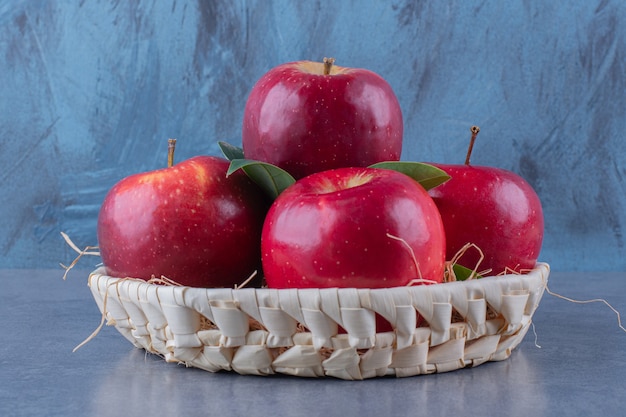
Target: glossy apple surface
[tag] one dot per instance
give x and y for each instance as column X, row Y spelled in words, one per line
column 305, row 121
column 495, row 209
column 341, row 228
column 187, row 222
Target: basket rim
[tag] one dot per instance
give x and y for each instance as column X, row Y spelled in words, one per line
column 540, row 269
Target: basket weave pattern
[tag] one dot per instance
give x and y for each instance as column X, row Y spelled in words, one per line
column 297, row 331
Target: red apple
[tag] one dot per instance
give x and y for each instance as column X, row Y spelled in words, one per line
column 188, row 222
column 307, row 117
column 496, row 210
column 352, row 227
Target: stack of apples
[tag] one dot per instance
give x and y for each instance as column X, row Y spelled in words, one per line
column 353, row 214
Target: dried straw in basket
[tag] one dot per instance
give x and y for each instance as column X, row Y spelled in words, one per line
column 296, row 332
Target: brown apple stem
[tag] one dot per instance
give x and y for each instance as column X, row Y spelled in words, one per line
column 474, row 130
column 171, row 146
column 328, row 64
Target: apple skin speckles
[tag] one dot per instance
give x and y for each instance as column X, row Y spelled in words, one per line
column 495, row 209
column 320, row 232
column 305, row 122
column 188, row 222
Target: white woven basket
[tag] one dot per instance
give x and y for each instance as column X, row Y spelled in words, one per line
column 295, row 332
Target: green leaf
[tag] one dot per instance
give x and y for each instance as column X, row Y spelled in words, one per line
column 427, row 175
column 272, row 179
column 230, row 151
column 462, row 273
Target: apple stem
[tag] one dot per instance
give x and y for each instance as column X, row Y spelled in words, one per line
column 171, row 146
column 474, row 130
column 328, row 64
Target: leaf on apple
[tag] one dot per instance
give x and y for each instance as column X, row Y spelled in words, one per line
column 272, row 179
column 230, row 151
column 427, row 175
column 462, row 273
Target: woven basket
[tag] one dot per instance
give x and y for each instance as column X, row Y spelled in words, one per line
column 297, row 331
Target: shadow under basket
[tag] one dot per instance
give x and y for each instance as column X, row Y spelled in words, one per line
column 325, row 332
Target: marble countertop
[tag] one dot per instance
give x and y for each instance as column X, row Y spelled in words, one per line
column 574, row 363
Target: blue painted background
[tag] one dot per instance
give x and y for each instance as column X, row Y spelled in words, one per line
column 91, row 90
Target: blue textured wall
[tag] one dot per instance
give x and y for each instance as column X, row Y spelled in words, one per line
column 91, row 90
